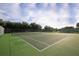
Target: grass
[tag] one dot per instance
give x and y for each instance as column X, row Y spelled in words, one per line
column 15, row 46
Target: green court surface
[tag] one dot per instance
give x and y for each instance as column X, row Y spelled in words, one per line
column 39, row 44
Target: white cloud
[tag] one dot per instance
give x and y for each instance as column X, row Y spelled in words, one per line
column 2, row 16
column 2, row 11
column 64, row 16
column 77, row 13
column 15, row 10
column 31, row 5
column 10, row 12
column 50, row 17
column 44, row 17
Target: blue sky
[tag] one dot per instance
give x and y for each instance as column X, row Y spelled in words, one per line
column 56, row 15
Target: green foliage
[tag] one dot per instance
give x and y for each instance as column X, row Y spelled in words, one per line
column 67, row 30
column 77, row 25
column 48, row 29
column 33, row 27
column 1, row 22
column 20, row 27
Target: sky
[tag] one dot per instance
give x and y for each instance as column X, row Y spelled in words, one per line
column 56, row 15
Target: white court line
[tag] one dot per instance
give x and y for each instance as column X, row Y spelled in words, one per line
column 41, row 42
column 28, row 43
column 38, row 41
column 54, row 44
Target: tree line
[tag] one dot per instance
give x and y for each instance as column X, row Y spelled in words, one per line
column 33, row 27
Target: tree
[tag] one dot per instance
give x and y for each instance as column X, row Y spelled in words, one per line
column 48, row 29
column 67, row 29
column 77, row 25
column 77, row 28
column 1, row 22
column 35, row 27
column 25, row 26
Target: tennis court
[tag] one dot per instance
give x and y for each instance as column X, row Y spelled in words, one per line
column 43, row 40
